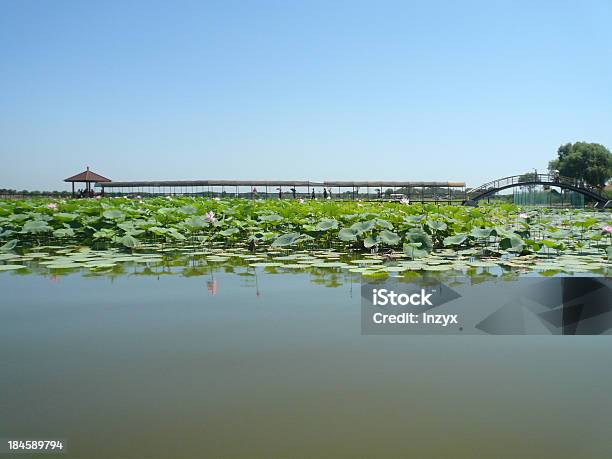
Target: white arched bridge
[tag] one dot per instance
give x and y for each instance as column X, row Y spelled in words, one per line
column 532, row 179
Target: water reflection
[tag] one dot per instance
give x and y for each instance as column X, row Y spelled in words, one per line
column 263, row 361
column 212, row 286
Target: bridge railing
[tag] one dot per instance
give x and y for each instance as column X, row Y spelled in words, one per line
column 532, row 179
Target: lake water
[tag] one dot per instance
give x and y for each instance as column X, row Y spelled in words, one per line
column 225, row 365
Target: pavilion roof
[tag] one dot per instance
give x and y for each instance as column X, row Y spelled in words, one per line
column 87, row 176
column 286, row 183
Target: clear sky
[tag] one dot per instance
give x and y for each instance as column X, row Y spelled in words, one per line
column 319, row 90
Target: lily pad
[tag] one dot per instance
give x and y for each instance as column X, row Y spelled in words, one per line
column 12, row 267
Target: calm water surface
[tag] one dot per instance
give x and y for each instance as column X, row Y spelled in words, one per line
column 276, row 366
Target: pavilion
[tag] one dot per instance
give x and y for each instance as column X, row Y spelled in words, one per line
column 88, row 177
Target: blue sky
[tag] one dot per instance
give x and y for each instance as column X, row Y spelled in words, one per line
column 307, row 90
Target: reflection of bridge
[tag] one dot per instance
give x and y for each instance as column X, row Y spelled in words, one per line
column 532, row 179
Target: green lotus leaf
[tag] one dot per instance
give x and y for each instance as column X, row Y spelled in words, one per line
column 389, row 238
column 10, row 245
column 420, row 236
column 174, row 234
column 481, row 233
column 229, row 232
column 65, row 217
column 286, row 239
column 366, row 261
column 437, row 267
column 369, row 242
column 550, row 272
column 549, row 244
column 63, row 232
column 414, row 252
column 348, row 234
column 104, row 233
column 482, row 264
column 129, row 241
column 395, row 269
column 36, row 227
column 217, row 259
column 12, row 267
column 326, row 224
column 513, row 243
column 358, row 270
column 362, row 227
column 437, row 225
column 188, row 209
column 113, row 214
column 270, row 218
column 457, row 239
column 384, row 224
column 328, row 264
column 66, row 265
column 413, row 219
column 377, row 273
column 18, row 217
column 193, row 222
column 560, row 234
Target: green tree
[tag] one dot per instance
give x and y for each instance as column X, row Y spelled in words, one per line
column 590, row 162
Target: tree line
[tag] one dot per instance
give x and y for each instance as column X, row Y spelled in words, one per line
column 588, row 162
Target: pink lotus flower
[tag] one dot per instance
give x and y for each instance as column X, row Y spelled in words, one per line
column 52, row 206
column 607, row 229
column 210, row 216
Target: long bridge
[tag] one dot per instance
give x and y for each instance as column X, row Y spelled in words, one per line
column 414, row 191
column 451, row 192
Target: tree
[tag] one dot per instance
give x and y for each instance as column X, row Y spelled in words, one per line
column 590, row 162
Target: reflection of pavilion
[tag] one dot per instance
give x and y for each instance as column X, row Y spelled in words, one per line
column 87, row 177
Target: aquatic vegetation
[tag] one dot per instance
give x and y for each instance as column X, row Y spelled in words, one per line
column 104, row 234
